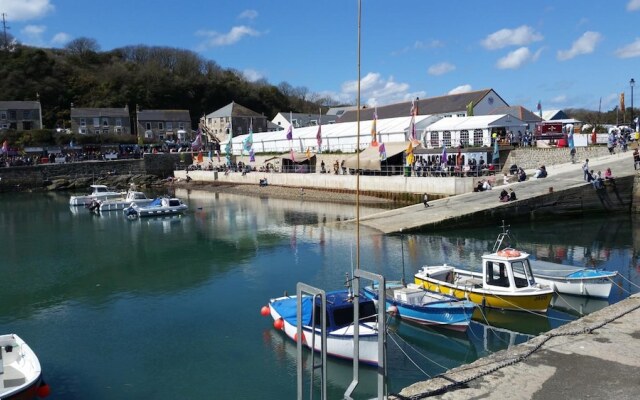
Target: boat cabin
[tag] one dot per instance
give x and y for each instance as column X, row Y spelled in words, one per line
column 98, row 189
column 340, row 310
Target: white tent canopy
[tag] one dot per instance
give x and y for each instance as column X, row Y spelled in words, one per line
column 475, row 130
column 339, row 136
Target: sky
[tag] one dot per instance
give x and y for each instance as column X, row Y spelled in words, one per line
column 561, row 53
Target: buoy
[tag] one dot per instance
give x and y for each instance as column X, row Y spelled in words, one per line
column 509, row 253
column 44, row 390
column 278, row 324
column 295, row 338
column 264, row 311
column 392, row 310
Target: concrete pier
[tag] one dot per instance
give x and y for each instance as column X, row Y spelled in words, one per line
column 594, row 357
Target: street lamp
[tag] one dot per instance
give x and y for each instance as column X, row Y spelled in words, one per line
column 631, row 83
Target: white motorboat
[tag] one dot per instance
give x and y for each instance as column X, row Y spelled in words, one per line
column 133, row 197
column 162, row 206
column 340, row 331
column 98, row 193
column 20, row 371
column 577, row 281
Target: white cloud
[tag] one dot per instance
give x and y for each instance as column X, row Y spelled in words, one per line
column 432, row 44
column 248, row 14
column 32, row 34
column 441, row 68
column 461, row 89
column 377, row 91
column 520, row 36
column 60, row 39
column 252, row 75
column 630, row 50
column 559, row 99
column 517, row 58
column 24, row 10
column 215, row 39
column 633, row 5
column 584, row 45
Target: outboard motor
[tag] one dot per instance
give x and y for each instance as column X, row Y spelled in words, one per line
column 94, row 206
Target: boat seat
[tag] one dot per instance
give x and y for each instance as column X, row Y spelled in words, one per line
column 468, row 281
column 1, row 361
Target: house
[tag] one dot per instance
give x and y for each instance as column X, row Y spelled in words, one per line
column 172, row 125
column 20, row 115
column 338, row 111
column 521, row 113
column 100, row 121
column 302, row 120
column 550, row 115
column 233, row 119
column 479, row 102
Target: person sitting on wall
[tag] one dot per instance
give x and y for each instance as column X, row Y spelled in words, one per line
column 479, row 187
column 608, row 176
column 512, row 195
column 486, row 185
column 504, row 196
column 513, row 169
column 522, row 176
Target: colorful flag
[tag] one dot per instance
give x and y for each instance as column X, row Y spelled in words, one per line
column 5, row 147
column 197, row 144
column 293, row 158
column 410, row 155
column 622, row 102
column 247, row 143
column 443, row 157
column 496, row 152
column 319, row 136
column 374, row 128
column 252, row 156
column 228, row 149
column 218, row 155
column 308, row 153
column 290, row 132
column 470, row 109
column 414, row 109
column 383, row 152
column 459, row 158
column 540, row 108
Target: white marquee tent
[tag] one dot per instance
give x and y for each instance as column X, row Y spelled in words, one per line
column 474, row 130
column 339, row 136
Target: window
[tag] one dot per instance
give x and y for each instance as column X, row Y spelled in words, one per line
column 435, row 139
column 96, row 122
column 148, row 126
column 169, row 126
column 313, row 122
column 26, row 114
column 294, row 122
column 105, row 131
column 477, row 137
column 105, row 122
column 464, row 137
column 83, row 123
column 82, row 131
column 446, row 138
column 12, row 115
column 161, row 125
column 118, row 122
column 522, row 274
column 3, row 115
column 461, row 115
column 118, row 130
column 181, row 126
column 497, row 274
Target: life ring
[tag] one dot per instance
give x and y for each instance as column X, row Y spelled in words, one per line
column 509, row 253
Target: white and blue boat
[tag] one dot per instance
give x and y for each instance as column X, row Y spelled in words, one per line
column 162, row 206
column 577, row 281
column 340, row 327
column 414, row 303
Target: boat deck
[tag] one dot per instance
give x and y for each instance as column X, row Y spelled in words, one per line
column 11, row 378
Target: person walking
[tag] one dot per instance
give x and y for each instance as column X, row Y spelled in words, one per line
column 425, row 200
column 585, row 169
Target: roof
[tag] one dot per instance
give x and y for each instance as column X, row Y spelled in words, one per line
column 554, row 114
column 305, row 119
column 518, row 112
column 370, row 157
column 474, row 122
column 164, row 115
column 432, row 105
column 234, row 109
column 99, row 112
column 19, row 105
column 338, row 111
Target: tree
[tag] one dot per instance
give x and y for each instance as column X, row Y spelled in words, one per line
column 82, row 46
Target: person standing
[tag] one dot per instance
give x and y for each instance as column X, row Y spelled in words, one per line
column 585, row 168
column 636, row 159
column 425, row 200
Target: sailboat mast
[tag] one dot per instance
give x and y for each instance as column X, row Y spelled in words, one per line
column 358, row 146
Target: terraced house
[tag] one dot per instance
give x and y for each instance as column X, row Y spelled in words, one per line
column 20, row 115
column 172, row 125
column 100, row 121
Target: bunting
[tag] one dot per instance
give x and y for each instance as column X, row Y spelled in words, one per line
column 252, row 156
column 197, row 144
column 383, row 152
column 470, row 109
column 410, row 156
column 374, row 128
column 247, row 143
column 290, row 132
column 228, row 149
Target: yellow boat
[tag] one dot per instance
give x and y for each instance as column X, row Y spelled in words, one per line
column 506, row 282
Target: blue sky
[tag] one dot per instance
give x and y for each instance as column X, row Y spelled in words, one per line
column 565, row 53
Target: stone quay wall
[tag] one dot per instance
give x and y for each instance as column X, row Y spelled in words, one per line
column 35, row 177
column 532, row 157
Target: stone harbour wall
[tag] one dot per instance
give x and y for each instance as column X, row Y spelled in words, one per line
column 531, row 158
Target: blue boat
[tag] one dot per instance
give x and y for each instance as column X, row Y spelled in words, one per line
column 413, row 303
column 340, row 330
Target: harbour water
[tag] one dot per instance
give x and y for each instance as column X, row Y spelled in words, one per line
column 170, row 308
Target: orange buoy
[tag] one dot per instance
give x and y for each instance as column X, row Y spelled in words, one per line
column 509, row 253
column 264, row 311
column 278, row 324
column 295, row 338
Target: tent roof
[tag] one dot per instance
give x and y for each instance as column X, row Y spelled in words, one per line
column 475, row 122
column 370, row 157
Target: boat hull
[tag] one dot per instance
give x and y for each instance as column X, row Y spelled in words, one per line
column 113, row 205
column 86, row 200
column 530, row 301
column 21, row 371
column 339, row 343
column 592, row 287
column 449, row 314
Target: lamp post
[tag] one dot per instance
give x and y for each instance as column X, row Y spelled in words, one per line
column 632, row 82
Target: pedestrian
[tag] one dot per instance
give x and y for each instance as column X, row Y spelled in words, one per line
column 504, row 196
column 636, row 159
column 425, row 200
column 585, row 168
column 512, row 195
column 572, row 152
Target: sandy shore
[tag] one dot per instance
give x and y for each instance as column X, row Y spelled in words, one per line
column 283, row 192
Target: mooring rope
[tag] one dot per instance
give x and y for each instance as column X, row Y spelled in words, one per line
column 517, row 359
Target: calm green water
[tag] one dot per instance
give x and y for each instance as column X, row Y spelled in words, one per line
column 169, row 308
